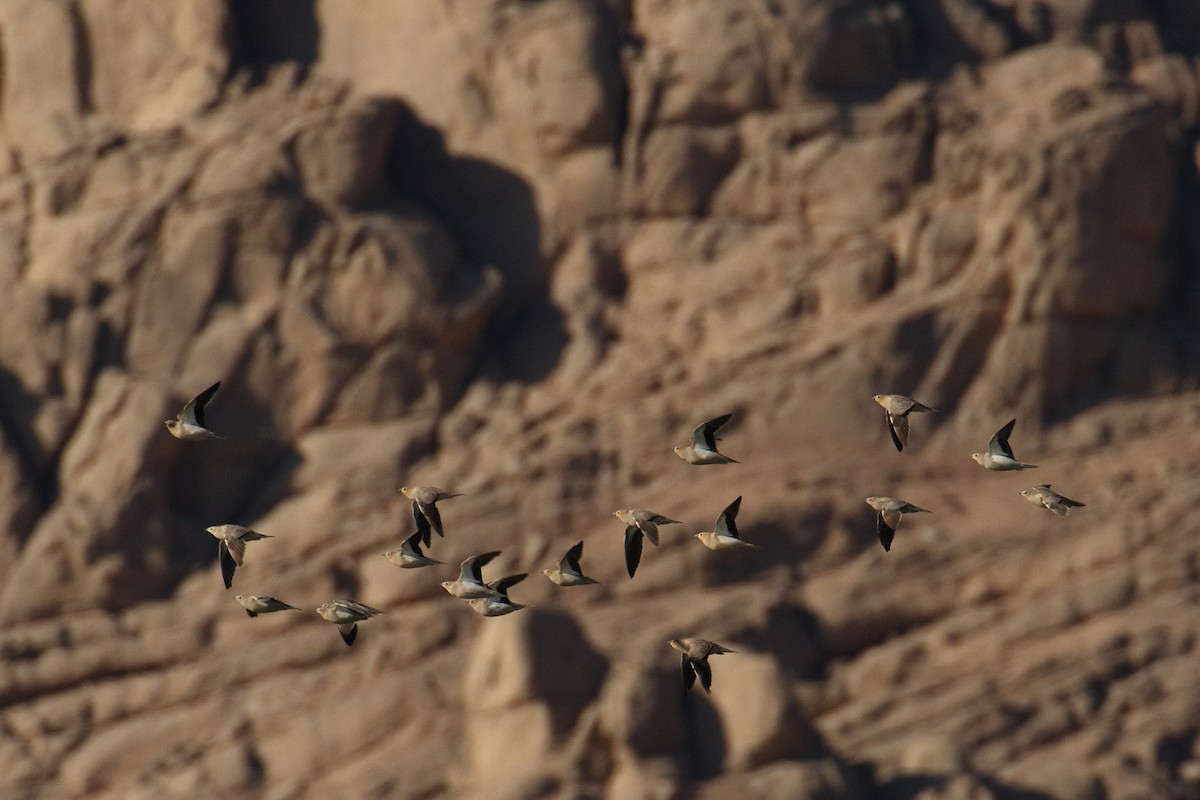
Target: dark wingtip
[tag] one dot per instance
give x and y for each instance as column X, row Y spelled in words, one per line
column 228, row 565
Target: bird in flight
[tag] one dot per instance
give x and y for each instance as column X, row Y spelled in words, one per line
column 999, row 456
column 568, row 573
column 638, row 522
column 470, row 585
column 424, row 500
column 694, row 661
column 256, row 604
column 896, row 408
column 231, row 547
column 1046, row 497
column 703, row 447
column 189, row 425
column 409, row 556
column 346, row 614
column 499, row 603
column 725, row 537
column 890, row 510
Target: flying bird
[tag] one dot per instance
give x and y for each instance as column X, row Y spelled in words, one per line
column 568, row 573
column 1000, row 456
column 896, row 408
column 890, row 510
column 409, row 556
column 639, row 522
column 725, row 537
column 703, row 449
column 256, row 604
column 346, row 614
column 231, row 547
column 189, row 425
column 694, row 661
column 470, row 585
column 1045, row 497
column 499, row 603
column 424, row 500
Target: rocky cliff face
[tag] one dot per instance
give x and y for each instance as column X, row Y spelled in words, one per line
column 518, row 249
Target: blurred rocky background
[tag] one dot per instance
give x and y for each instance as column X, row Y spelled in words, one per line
column 518, row 249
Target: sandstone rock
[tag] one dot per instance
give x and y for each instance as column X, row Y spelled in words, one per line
column 682, row 167
column 712, row 65
column 515, row 249
column 803, row 780
column 861, row 45
column 539, row 654
column 342, row 161
column 640, row 708
column 43, row 98
column 656, row 779
column 528, row 680
column 933, row 755
column 759, row 720
column 149, row 65
column 1057, row 779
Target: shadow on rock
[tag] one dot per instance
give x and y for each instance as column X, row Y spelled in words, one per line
column 493, row 217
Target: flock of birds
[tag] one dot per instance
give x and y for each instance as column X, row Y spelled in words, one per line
column 491, row 599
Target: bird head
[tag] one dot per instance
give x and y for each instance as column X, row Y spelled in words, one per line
column 547, row 571
column 1025, row 492
column 871, row 501
column 976, row 457
column 676, row 645
column 622, row 514
column 212, row 529
column 171, row 423
column 877, row 398
column 677, row 450
column 405, row 490
column 447, row 584
column 239, row 597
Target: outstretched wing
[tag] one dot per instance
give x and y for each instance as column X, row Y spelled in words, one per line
column 194, row 411
column 424, row 529
column 688, row 674
column 432, row 514
column 633, row 548
column 650, row 528
column 502, row 586
column 725, row 522
column 228, row 564
column 898, row 428
column 413, row 544
column 472, row 568
column 705, row 435
column 705, row 672
column 885, row 525
column 570, row 561
column 998, row 446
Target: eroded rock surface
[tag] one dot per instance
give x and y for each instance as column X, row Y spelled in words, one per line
column 519, row 250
